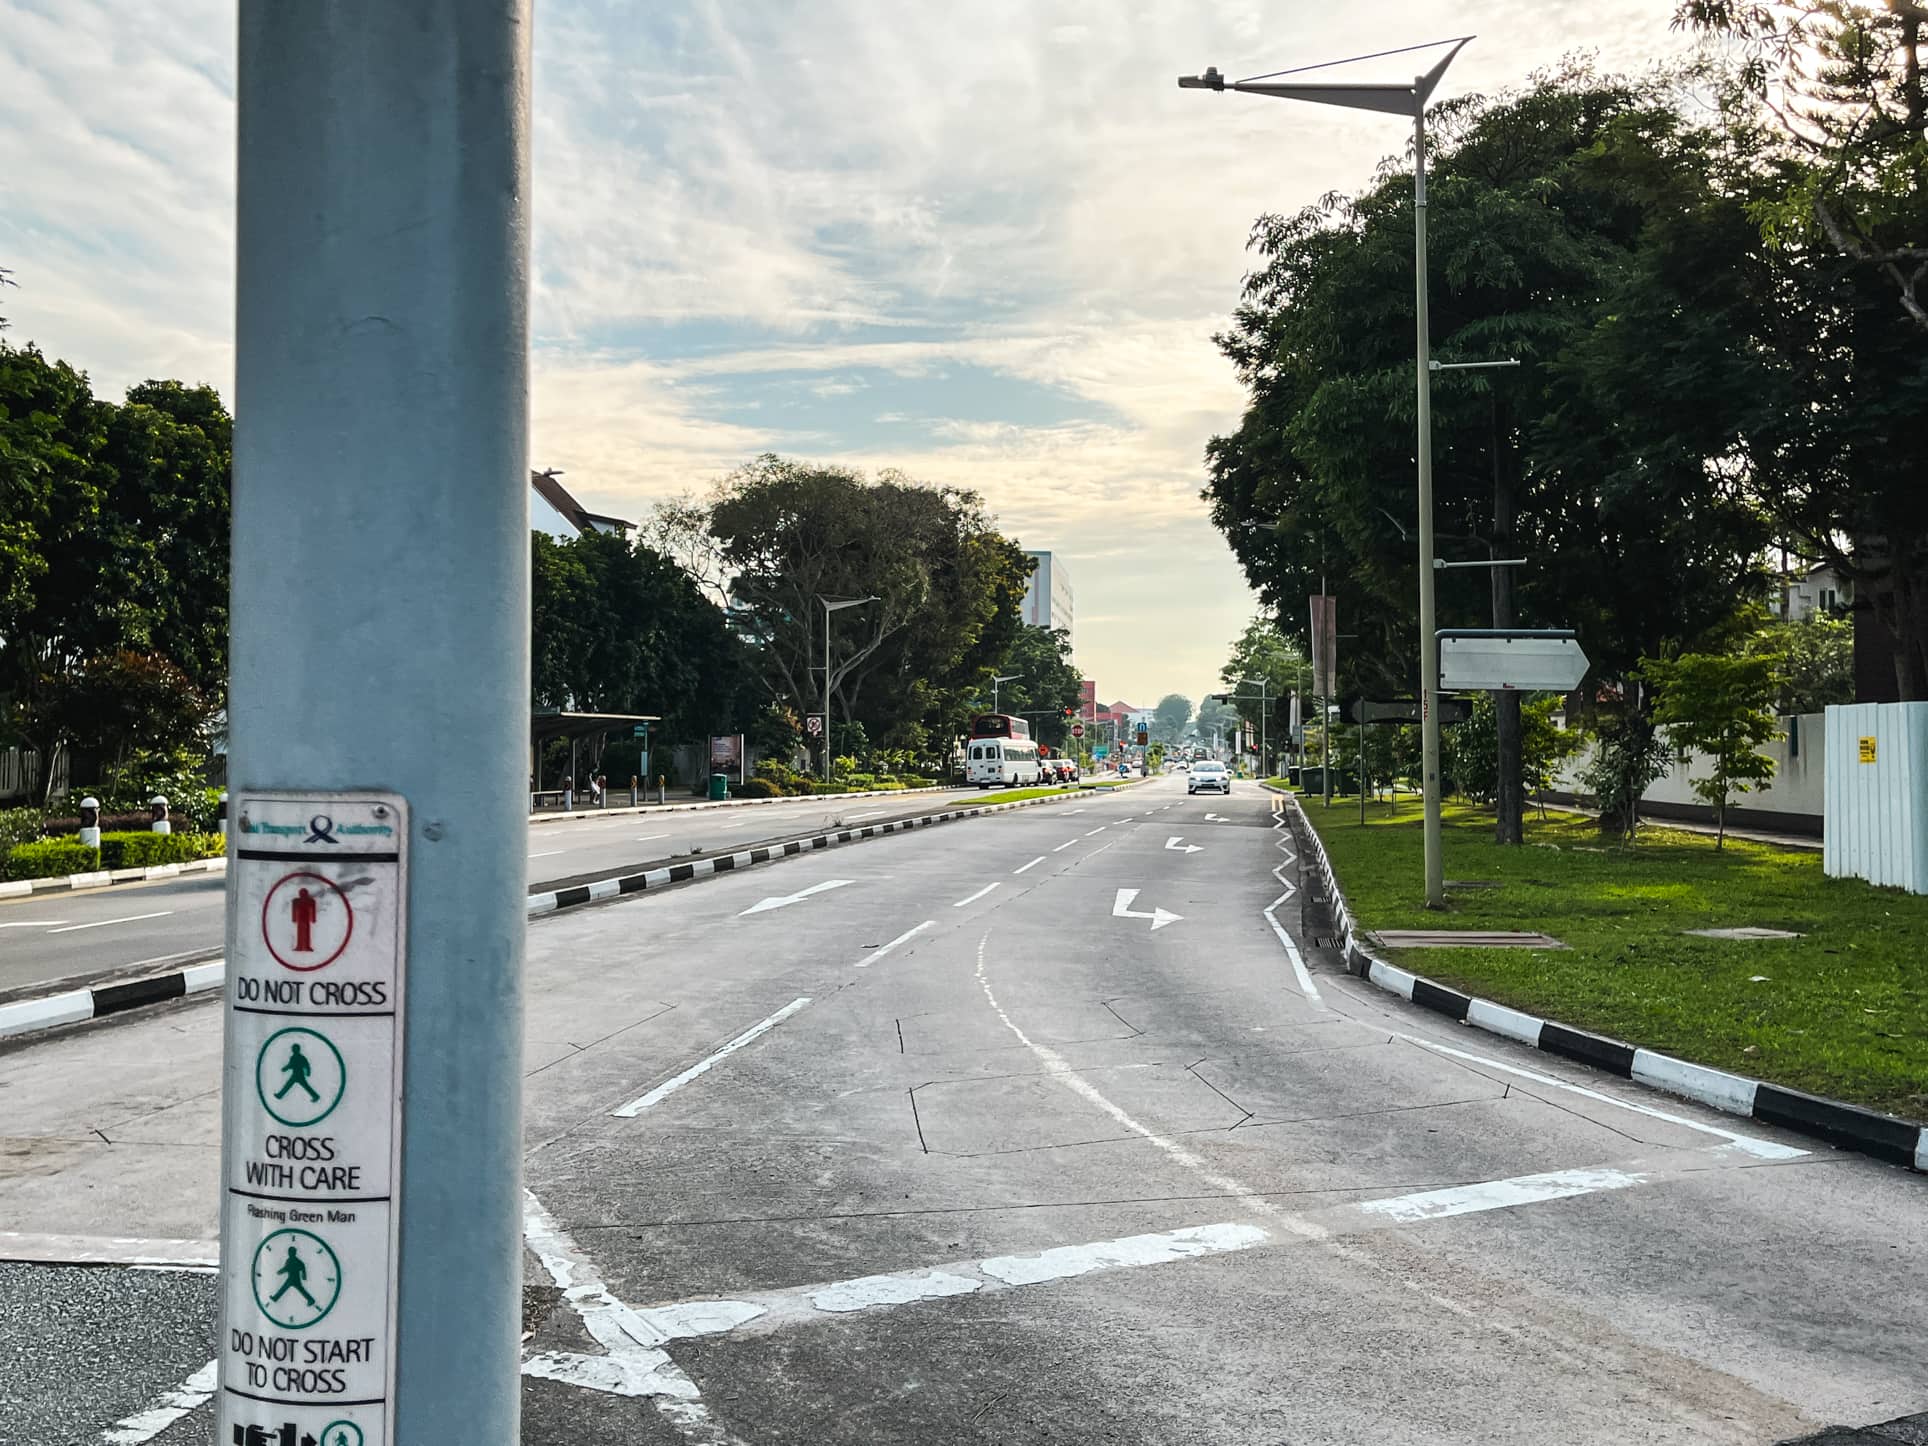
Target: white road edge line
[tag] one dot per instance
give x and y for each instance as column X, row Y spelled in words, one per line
column 883, row 949
column 974, row 897
column 1306, row 986
column 168, row 1408
column 103, row 923
column 1032, row 865
column 703, row 1066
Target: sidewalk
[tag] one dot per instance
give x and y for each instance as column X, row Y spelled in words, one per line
column 1752, row 835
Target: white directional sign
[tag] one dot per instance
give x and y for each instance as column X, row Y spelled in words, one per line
column 778, row 901
column 1121, row 909
column 1502, row 663
column 1175, row 844
column 312, row 1105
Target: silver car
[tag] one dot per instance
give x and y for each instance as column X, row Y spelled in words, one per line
column 1208, row 773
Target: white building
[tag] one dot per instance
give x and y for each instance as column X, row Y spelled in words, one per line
column 1817, row 589
column 1047, row 597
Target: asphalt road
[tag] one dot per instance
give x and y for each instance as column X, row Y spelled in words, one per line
column 1050, row 1143
column 59, row 936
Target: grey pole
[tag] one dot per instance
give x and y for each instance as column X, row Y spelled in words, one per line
column 1428, row 644
column 826, row 687
column 381, row 582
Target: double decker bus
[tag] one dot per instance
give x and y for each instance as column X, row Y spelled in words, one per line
column 1000, row 751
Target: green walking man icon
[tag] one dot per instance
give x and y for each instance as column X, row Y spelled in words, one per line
column 293, row 1272
column 297, row 1069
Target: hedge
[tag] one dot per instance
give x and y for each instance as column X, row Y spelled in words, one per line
column 144, row 850
column 50, row 858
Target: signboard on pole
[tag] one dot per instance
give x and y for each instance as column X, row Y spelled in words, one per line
column 1325, row 644
column 1500, row 661
column 1077, row 730
column 726, row 753
column 813, row 725
column 1405, row 710
column 311, row 1189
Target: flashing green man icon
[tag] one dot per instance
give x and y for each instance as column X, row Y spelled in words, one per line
column 292, row 1273
column 297, row 1069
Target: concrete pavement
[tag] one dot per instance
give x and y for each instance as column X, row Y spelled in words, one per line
column 1029, row 1130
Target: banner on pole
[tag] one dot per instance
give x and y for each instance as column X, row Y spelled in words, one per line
column 1325, row 644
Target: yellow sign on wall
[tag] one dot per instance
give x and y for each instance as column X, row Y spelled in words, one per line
column 1867, row 750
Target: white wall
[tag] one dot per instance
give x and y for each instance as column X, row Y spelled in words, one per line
column 1798, row 785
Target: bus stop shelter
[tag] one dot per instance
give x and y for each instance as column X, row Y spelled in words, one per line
column 548, row 724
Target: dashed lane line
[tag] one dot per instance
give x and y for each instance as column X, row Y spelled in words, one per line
column 103, row 923
column 1032, row 865
column 880, row 951
column 973, row 898
column 709, row 1062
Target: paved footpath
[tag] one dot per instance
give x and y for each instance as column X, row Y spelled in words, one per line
column 1028, row 1129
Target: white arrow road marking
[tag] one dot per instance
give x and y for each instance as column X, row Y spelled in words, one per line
column 1121, row 909
column 703, row 1066
column 763, row 906
column 1172, row 843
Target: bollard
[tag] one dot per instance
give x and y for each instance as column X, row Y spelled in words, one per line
column 568, row 796
column 90, row 822
column 661, row 791
column 221, row 815
column 635, row 790
column 159, row 805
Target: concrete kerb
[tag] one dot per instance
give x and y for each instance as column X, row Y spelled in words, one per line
column 601, row 889
column 1850, row 1127
column 695, row 804
column 100, row 878
column 72, row 1006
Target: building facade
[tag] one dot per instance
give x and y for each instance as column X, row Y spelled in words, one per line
column 1047, row 597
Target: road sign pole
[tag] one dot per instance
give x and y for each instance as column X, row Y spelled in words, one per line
column 1428, row 647
column 381, row 606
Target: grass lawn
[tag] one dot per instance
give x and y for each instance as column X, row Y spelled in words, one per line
column 1014, row 795
column 1841, row 1012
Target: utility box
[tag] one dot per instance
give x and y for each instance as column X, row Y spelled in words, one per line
column 1877, row 794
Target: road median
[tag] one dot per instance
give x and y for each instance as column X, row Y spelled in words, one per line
column 1820, row 1030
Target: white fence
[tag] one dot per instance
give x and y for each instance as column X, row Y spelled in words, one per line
column 1794, row 799
column 20, row 775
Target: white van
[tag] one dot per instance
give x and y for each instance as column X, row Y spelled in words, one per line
column 1006, row 761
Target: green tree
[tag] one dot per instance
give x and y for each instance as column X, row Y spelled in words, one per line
column 1264, row 652
column 1216, row 723
column 947, row 586
column 1813, row 661
column 1169, row 718
column 1720, row 706
column 1045, row 686
column 125, row 709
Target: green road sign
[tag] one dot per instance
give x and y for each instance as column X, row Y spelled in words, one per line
column 297, row 1278
column 300, row 1077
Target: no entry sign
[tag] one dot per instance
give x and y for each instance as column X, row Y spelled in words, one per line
column 312, row 1118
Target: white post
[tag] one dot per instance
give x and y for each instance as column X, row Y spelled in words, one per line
column 1428, row 644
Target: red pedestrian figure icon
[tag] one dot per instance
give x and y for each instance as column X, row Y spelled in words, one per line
column 304, row 911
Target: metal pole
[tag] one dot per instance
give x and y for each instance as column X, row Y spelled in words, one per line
column 380, row 605
column 1428, row 646
column 826, row 687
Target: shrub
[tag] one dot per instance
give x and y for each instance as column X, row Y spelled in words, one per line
column 759, row 788
column 50, row 858
column 18, row 826
column 114, row 822
column 912, row 780
column 822, row 788
column 144, row 850
column 856, row 782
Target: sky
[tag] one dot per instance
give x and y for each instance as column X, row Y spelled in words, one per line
column 986, row 243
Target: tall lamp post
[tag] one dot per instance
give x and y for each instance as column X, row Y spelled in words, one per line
column 1407, row 100
column 1001, row 678
column 1264, row 708
column 831, row 605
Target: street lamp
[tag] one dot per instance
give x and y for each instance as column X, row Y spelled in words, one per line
column 1001, row 678
column 1406, row 100
column 831, row 605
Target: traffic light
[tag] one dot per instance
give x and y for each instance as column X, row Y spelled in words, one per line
column 1068, row 711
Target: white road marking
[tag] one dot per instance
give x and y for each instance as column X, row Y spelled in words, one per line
column 646, row 837
column 1063, row 846
column 103, row 923
column 974, row 897
column 546, row 853
column 636, row 1365
column 763, row 906
column 881, row 950
column 869, row 813
column 1099, row 829
column 1032, row 865
column 1121, row 909
column 188, row 1255
column 31, row 923
column 1175, row 844
column 1751, row 1144
column 703, row 1066
column 169, row 1407
column 1304, row 975
column 1499, row 1194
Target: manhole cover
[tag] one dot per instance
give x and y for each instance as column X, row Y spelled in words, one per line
column 1747, row 931
column 1464, row 939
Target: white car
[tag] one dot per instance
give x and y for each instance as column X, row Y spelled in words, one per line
column 1208, row 773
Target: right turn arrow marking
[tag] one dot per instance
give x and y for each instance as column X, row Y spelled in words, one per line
column 1175, row 846
column 1121, row 909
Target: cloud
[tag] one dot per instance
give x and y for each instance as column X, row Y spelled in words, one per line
column 748, row 211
